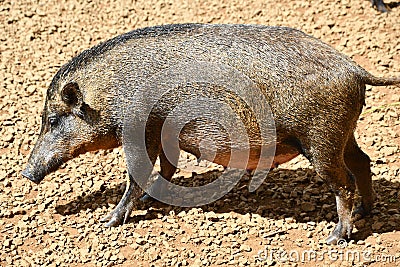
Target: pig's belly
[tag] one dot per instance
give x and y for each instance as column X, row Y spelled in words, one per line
column 249, row 159
column 208, row 140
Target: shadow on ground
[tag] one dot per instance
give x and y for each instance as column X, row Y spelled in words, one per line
column 393, row 4
column 298, row 194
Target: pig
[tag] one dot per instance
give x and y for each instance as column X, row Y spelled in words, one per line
column 315, row 94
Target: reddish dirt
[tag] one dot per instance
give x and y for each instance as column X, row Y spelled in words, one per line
column 57, row 223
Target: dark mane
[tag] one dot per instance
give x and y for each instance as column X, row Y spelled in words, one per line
column 89, row 55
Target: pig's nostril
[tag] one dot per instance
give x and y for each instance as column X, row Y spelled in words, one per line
column 26, row 173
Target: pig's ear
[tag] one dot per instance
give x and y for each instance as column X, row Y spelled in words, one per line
column 71, row 95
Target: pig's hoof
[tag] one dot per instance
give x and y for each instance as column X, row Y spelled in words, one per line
column 339, row 234
column 113, row 221
column 332, row 239
column 146, row 198
column 116, row 217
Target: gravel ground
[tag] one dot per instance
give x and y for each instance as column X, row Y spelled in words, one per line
column 57, row 223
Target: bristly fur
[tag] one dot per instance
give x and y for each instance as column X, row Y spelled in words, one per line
column 315, row 95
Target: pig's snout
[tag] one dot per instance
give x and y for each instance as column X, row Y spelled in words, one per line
column 28, row 174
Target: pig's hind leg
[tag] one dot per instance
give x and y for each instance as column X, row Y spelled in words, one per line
column 326, row 152
column 342, row 182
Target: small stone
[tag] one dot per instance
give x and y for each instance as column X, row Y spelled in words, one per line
column 393, row 211
column 245, row 248
column 7, row 243
column 377, row 225
column 360, row 223
column 290, row 220
column 9, row 138
column 140, row 241
column 307, row 206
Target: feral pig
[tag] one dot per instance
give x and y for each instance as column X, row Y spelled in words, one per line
column 315, row 95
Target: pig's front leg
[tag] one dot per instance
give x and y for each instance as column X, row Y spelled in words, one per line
column 140, row 162
column 124, row 208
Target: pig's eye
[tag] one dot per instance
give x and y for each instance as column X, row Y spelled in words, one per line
column 53, row 120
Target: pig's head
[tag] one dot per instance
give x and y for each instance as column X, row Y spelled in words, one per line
column 70, row 126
